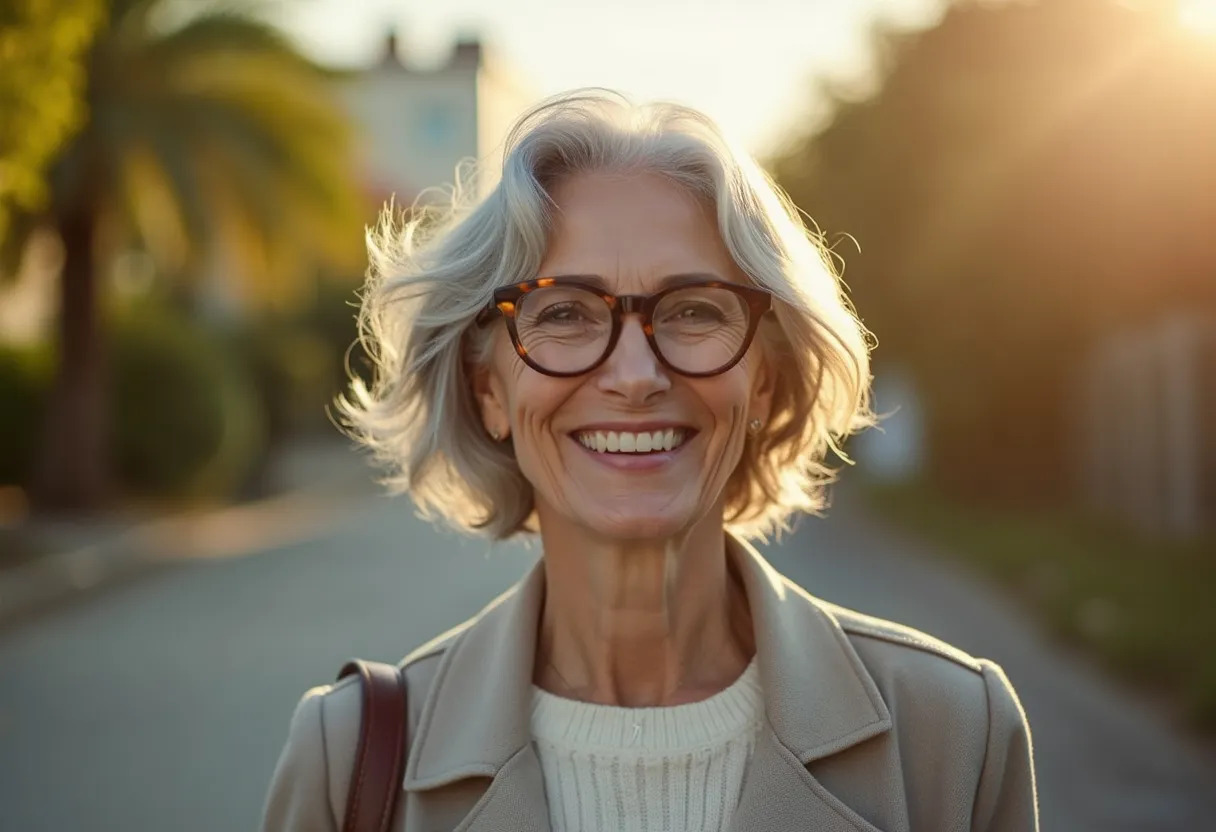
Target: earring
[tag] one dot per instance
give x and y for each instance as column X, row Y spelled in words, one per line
column 496, row 436
column 753, row 427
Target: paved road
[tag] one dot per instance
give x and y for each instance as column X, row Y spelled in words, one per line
column 162, row 704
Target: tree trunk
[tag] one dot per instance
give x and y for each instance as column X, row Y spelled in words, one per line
column 72, row 469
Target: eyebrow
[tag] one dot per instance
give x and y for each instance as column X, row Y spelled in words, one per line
column 665, row 282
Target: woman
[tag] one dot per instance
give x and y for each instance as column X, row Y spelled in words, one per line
column 632, row 348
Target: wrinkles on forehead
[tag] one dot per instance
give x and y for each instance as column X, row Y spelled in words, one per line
column 599, row 230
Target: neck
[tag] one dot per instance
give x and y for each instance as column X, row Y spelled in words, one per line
column 641, row 623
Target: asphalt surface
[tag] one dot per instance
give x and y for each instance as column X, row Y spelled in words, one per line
column 163, row 703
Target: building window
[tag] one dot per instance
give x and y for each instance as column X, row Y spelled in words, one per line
column 436, row 124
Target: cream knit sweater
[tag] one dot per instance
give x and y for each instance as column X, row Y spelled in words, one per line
column 671, row 769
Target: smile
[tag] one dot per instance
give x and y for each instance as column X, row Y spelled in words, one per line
column 625, row 442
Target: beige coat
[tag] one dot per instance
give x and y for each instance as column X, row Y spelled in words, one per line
column 870, row 726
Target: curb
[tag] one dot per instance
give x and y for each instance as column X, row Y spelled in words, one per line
column 291, row 516
column 32, row 586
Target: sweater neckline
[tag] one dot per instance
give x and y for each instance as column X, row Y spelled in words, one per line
column 573, row 724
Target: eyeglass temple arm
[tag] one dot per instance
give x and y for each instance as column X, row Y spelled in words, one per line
column 487, row 313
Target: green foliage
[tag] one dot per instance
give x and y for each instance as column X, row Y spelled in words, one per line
column 215, row 133
column 292, row 367
column 1028, row 178
column 214, row 146
column 186, row 419
column 25, row 380
column 42, row 43
column 1143, row 606
column 187, row 422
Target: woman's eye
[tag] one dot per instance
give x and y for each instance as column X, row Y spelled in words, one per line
column 697, row 312
column 560, row 313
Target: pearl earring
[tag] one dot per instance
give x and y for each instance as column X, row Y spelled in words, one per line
column 496, row 436
column 753, row 427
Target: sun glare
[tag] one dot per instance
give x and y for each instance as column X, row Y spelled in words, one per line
column 1198, row 16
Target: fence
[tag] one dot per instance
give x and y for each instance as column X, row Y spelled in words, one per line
column 1145, row 426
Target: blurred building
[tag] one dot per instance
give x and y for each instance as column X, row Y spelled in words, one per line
column 415, row 127
column 419, row 124
column 1146, row 426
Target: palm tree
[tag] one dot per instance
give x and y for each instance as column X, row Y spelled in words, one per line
column 41, row 78
column 212, row 135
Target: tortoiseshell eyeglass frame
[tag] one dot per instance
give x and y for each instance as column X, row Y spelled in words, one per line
column 506, row 300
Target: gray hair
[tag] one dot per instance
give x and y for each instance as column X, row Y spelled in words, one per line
column 432, row 272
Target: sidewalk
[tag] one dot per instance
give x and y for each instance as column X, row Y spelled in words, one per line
column 311, row 481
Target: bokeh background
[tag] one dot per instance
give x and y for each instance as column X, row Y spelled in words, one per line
column 1021, row 196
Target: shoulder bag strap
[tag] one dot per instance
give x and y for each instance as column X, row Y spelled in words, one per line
column 380, row 759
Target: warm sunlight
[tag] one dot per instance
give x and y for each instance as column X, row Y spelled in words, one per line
column 1198, row 16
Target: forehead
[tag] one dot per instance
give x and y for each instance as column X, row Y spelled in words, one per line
column 632, row 228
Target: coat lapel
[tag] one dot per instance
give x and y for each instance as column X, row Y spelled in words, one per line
column 515, row 800
column 819, row 700
column 819, row 697
column 472, row 755
column 781, row 794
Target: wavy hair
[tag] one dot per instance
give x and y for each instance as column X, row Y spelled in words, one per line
column 432, row 271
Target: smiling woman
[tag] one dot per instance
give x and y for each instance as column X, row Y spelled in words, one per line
column 639, row 220
column 633, row 349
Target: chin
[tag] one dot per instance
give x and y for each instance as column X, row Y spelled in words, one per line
column 639, row 532
column 640, row 525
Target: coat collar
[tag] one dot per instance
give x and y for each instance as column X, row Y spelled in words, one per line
column 819, row 697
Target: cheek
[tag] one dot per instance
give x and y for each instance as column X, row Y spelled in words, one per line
column 533, row 398
column 726, row 396
column 516, row 382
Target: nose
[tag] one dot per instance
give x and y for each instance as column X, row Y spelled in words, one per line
column 633, row 370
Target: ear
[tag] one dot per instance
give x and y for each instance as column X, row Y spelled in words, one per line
column 490, row 394
column 760, row 403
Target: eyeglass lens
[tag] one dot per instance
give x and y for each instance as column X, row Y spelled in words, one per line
column 697, row 329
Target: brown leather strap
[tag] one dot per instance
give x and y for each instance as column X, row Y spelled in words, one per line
column 380, row 759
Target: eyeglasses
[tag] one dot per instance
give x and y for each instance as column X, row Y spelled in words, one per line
column 561, row 327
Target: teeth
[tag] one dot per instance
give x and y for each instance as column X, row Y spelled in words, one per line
column 613, row 442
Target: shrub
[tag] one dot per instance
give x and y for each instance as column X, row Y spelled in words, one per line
column 25, row 381
column 292, row 368
column 185, row 418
